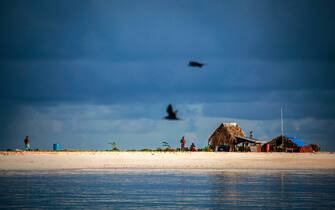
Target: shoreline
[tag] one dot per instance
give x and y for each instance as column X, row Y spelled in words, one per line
column 71, row 160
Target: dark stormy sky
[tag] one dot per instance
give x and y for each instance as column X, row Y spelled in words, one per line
column 85, row 73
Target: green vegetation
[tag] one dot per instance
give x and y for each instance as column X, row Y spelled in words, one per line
column 113, row 146
column 206, row 149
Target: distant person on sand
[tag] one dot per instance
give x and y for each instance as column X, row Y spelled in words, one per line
column 193, row 148
column 26, row 143
column 182, row 143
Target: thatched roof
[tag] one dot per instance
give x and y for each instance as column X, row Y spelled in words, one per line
column 226, row 133
column 286, row 141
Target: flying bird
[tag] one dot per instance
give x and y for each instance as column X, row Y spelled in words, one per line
column 172, row 114
column 195, row 64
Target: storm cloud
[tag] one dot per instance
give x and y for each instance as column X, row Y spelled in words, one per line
column 77, row 70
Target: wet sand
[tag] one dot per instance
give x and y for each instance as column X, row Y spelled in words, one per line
column 164, row 160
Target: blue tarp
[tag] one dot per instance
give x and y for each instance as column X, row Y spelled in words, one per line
column 297, row 141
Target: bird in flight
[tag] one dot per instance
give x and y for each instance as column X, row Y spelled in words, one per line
column 195, row 64
column 172, row 114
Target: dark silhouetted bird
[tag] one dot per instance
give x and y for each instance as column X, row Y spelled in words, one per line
column 172, row 114
column 195, row 64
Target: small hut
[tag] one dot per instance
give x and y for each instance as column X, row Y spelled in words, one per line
column 226, row 134
column 285, row 144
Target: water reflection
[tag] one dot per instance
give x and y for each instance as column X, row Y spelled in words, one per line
column 272, row 190
column 168, row 189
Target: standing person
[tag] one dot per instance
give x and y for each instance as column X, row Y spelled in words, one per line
column 26, row 143
column 182, row 143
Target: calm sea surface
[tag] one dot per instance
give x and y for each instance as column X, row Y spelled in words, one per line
column 115, row 189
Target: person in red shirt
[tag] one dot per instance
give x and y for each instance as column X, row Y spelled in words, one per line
column 193, row 148
column 182, row 143
column 26, row 143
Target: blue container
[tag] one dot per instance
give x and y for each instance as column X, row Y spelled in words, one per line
column 56, row 147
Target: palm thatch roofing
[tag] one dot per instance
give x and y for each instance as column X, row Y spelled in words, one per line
column 226, row 134
column 286, row 142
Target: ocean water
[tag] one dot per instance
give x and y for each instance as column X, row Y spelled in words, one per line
column 147, row 189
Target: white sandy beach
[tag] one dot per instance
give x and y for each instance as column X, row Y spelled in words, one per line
column 164, row 160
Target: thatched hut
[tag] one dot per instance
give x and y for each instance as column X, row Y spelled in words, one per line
column 285, row 144
column 226, row 134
